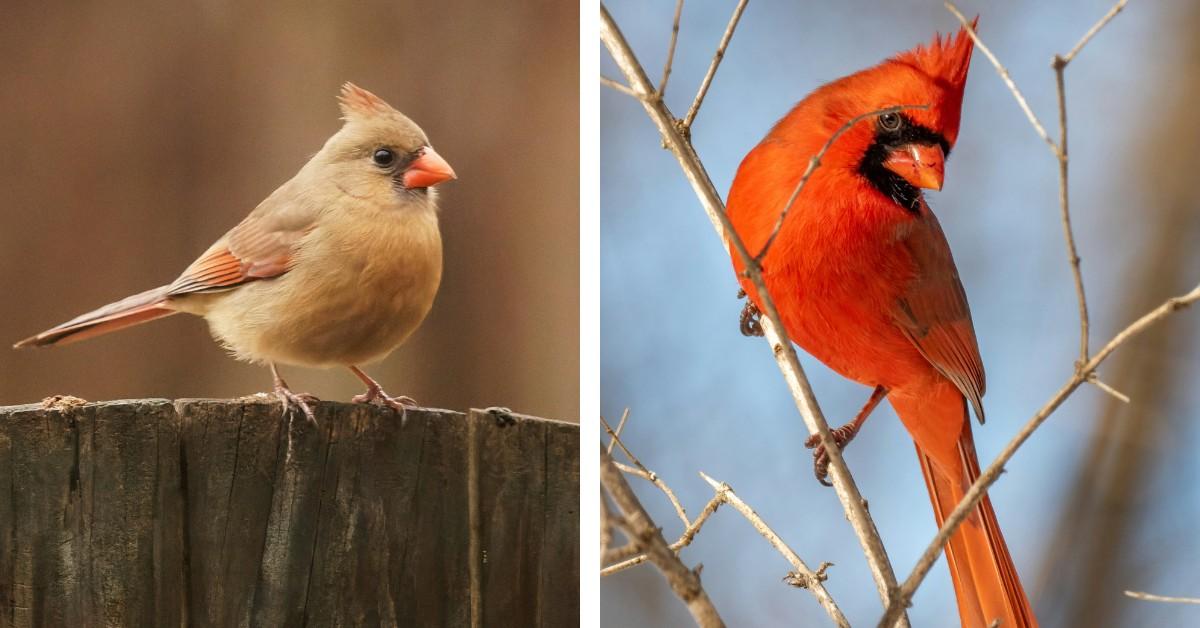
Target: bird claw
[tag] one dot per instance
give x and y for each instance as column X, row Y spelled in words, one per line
column 304, row 401
column 842, row 436
column 376, row 396
column 750, row 321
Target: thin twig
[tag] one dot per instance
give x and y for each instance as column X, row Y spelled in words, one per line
column 653, row 478
column 1065, row 212
column 685, row 539
column 1150, row 597
column 814, row 163
column 993, row 471
column 712, row 67
column 617, row 432
column 783, row 350
column 644, row 473
column 1037, row 125
column 607, row 82
column 1094, row 380
column 640, row 529
column 1093, row 30
column 662, row 85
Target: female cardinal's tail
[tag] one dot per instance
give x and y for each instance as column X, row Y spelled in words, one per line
column 985, row 580
column 133, row 310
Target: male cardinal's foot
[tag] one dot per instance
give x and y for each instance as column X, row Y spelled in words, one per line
column 749, row 320
column 841, row 436
column 303, row 401
column 376, row 395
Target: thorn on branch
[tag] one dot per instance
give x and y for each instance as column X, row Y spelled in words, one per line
column 803, row 581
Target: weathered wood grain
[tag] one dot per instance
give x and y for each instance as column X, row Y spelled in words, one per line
column 226, row 513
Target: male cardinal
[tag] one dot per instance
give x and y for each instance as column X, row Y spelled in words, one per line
column 337, row 267
column 864, row 281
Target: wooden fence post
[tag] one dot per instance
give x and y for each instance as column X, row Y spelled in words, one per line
column 225, row 513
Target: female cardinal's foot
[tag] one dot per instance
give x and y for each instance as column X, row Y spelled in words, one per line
column 303, row 401
column 376, row 395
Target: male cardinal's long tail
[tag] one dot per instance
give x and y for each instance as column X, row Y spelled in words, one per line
column 985, row 580
column 139, row 308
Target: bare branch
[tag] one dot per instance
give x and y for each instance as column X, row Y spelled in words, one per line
column 685, row 539
column 1150, row 597
column 803, row 575
column 1037, row 125
column 1094, row 380
column 662, row 85
column 617, row 432
column 814, row 163
column 712, row 67
column 1065, row 213
column 1093, row 30
column 644, row 473
column 640, row 529
column 993, row 471
column 783, row 350
column 611, row 84
column 653, row 478
column 606, row 526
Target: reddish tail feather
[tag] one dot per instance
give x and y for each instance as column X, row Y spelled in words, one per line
column 127, row 312
column 985, row 579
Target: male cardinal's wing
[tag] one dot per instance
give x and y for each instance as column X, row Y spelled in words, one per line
column 934, row 314
column 260, row 247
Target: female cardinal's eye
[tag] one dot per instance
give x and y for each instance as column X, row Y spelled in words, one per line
column 383, row 157
column 889, row 122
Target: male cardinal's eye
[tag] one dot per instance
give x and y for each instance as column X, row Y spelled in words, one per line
column 384, row 157
column 889, row 122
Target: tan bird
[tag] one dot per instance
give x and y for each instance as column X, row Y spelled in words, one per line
column 337, row 267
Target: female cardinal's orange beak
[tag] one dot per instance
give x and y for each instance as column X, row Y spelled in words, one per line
column 919, row 164
column 427, row 170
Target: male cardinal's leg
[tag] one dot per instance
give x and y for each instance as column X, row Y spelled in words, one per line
column 304, row 400
column 376, row 395
column 842, row 436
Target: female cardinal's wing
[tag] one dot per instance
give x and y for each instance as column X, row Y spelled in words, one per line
column 260, row 247
column 934, row 315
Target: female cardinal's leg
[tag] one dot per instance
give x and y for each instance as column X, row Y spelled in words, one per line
column 842, row 436
column 376, row 395
column 289, row 398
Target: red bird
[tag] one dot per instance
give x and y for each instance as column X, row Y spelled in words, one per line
column 863, row 278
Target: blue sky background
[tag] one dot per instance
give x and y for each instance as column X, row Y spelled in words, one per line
column 704, row 398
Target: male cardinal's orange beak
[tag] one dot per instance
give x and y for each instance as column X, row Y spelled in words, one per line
column 427, row 170
column 921, row 165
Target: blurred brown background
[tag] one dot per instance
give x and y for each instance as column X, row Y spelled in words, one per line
column 136, row 133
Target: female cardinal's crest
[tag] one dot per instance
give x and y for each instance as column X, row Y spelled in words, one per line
column 356, row 101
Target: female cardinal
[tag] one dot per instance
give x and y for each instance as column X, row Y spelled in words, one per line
column 864, row 281
column 335, row 268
